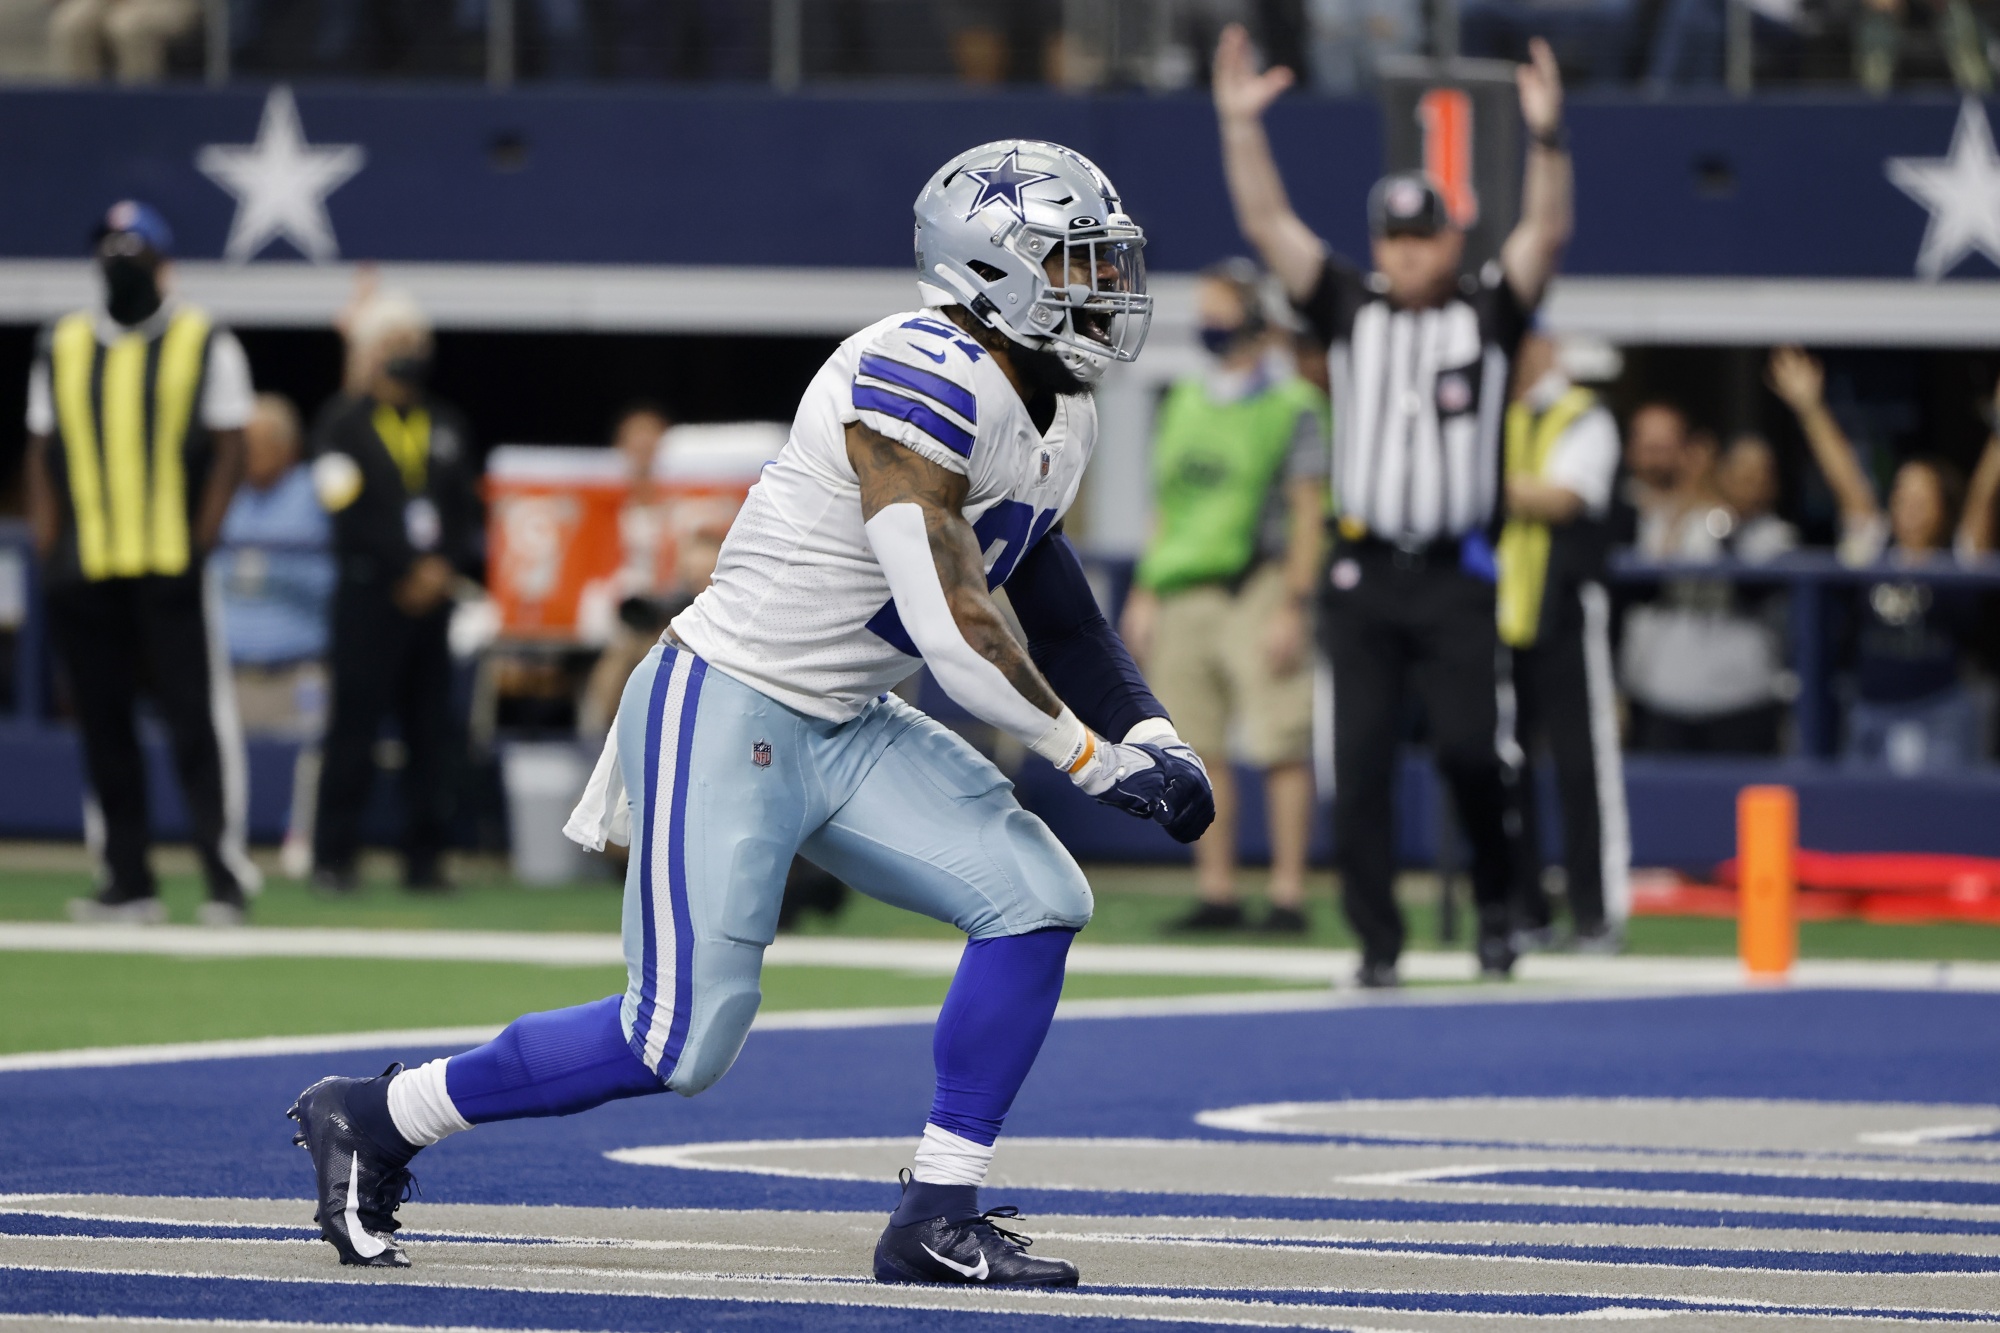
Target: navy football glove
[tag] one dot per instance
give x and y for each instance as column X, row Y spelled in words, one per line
column 1155, row 775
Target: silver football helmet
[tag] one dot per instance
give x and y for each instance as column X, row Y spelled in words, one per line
column 1030, row 238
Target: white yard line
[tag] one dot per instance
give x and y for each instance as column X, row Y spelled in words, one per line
column 940, row 957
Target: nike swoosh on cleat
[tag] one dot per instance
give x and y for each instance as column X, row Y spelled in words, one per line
column 973, row 1272
column 935, row 356
column 368, row 1245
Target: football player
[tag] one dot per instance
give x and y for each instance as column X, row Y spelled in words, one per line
column 932, row 460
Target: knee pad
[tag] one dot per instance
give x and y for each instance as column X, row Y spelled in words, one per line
column 1053, row 889
column 726, row 997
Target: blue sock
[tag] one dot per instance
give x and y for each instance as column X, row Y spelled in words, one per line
column 557, row 1063
column 991, row 1028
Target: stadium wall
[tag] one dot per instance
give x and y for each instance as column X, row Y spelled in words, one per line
column 1711, row 220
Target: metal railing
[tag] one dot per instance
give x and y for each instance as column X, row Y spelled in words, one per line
column 1810, row 579
column 1138, row 43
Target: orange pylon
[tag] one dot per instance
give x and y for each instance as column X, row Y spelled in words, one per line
column 1767, row 839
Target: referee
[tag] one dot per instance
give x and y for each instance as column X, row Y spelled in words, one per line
column 135, row 421
column 1419, row 357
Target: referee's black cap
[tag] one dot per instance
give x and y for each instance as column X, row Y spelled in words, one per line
column 1406, row 203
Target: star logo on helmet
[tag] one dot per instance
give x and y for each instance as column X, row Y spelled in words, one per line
column 1003, row 184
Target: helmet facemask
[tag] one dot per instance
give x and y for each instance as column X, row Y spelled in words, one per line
column 1030, row 239
column 1103, row 312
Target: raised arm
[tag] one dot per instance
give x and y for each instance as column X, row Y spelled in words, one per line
column 1263, row 212
column 1800, row 381
column 1975, row 529
column 1532, row 249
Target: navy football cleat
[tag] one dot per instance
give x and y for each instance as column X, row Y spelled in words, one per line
column 977, row 1251
column 360, row 1186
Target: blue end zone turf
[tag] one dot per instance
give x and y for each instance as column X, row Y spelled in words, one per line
column 218, row 1128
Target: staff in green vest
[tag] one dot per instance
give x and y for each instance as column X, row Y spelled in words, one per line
column 1561, row 457
column 135, row 422
column 1218, row 611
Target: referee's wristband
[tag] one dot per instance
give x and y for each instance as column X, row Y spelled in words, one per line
column 1556, row 140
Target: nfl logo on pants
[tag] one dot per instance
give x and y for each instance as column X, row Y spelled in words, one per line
column 760, row 753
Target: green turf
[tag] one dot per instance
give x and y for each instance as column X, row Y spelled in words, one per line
column 59, row 1001
column 1134, row 905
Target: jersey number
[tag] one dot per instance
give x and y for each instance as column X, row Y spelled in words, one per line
column 973, row 351
column 1005, row 533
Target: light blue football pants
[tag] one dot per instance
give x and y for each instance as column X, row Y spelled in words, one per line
column 727, row 784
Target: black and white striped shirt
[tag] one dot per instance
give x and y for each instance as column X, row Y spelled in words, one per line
column 1419, row 398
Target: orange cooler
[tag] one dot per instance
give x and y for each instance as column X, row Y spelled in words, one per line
column 565, row 542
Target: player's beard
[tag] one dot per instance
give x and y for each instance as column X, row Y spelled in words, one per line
column 1044, row 372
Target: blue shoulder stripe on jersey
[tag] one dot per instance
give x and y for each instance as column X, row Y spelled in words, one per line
column 917, row 380
column 868, row 398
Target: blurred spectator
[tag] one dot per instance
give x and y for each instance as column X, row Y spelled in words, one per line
column 275, row 574
column 1348, row 38
column 24, row 40
column 1219, row 604
column 1655, row 448
column 1004, row 41
column 1911, row 710
column 137, row 34
column 1555, row 618
column 687, row 39
column 1746, row 481
column 1596, row 41
column 393, row 466
column 1702, row 664
column 1878, row 43
column 643, row 607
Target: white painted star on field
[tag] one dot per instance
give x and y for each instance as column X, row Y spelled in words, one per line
column 281, row 183
column 1962, row 192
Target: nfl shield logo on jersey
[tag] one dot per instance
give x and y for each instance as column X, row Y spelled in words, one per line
column 1045, row 459
column 760, row 753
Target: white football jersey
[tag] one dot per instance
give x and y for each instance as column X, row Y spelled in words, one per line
column 799, row 608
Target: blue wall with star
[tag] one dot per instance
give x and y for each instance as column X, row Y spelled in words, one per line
column 1782, row 189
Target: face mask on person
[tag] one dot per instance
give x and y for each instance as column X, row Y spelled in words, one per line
column 131, row 289
column 412, row 370
column 1221, row 339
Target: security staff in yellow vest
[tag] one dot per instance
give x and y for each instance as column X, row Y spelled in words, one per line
column 135, row 424
column 1561, row 457
column 392, row 466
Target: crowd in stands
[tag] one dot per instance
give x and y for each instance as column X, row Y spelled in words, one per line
column 1336, row 45
column 1704, row 662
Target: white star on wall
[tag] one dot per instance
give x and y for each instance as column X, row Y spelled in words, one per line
column 281, row 183
column 1962, row 192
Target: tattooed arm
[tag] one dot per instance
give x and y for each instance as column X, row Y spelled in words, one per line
column 913, row 512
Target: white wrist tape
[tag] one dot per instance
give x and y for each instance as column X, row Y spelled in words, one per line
column 1153, row 731
column 1066, row 743
column 1089, row 759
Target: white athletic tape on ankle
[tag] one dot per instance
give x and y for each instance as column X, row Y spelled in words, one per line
column 944, row 1158
column 421, row 1107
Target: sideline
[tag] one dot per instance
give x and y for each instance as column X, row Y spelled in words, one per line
column 1655, row 985
column 940, row 957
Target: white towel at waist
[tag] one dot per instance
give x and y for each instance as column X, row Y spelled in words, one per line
column 603, row 814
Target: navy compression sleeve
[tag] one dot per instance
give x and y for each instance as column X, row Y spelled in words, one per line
column 1071, row 644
